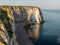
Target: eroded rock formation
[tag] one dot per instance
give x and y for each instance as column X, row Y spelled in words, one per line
column 19, row 14
column 23, row 13
column 6, row 27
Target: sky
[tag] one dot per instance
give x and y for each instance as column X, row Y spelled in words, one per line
column 43, row 4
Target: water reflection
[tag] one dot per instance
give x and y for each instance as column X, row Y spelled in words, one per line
column 34, row 30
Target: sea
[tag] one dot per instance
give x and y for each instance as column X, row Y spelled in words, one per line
column 50, row 32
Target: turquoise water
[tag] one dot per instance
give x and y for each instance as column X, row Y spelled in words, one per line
column 50, row 34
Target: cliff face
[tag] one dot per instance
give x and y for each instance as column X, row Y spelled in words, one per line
column 6, row 27
column 24, row 13
column 15, row 14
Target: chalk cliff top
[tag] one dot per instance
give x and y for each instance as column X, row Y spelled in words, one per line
column 18, row 6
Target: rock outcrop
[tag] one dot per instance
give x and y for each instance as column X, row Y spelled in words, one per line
column 21, row 15
column 7, row 28
column 24, row 13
